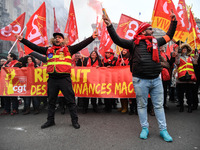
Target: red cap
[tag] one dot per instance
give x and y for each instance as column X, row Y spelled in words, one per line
column 175, row 46
column 143, row 26
column 110, row 50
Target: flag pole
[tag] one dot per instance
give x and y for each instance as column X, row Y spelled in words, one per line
column 16, row 40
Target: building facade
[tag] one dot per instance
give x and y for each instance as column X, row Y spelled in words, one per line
column 11, row 9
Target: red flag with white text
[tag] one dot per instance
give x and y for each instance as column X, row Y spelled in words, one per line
column 71, row 26
column 56, row 28
column 36, row 28
column 127, row 27
column 7, row 33
column 105, row 42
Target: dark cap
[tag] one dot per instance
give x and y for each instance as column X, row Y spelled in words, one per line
column 58, row 34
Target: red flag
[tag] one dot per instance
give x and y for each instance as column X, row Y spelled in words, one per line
column 161, row 18
column 168, row 52
column 106, row 41
column 98, row 28
column 20, row 50
column 56, row 28
column 7, row 33
column 71, row 26
column 36, row 28
column 182, row 13
column 85, row 52
column 127, row 27
column 194, row 31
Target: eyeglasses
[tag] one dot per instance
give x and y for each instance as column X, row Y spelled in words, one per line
column 149, row 29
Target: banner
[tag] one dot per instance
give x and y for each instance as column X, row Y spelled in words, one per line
column 7, row 33
column 161, row 18
column 115, row 82
column 71, row 26
column 36, row 29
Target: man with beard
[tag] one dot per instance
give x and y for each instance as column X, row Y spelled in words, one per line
column 146, row 67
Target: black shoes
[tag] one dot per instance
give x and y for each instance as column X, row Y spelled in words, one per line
column 76, row 125
column 48, row 124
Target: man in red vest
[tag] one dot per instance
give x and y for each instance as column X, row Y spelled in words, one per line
column 59, row 62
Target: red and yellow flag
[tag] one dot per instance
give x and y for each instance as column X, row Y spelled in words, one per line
column 194, row 36
column 161, row 18
column 36, row 28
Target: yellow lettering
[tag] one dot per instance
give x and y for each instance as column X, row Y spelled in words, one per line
column 38, row 75
column 129, row 87
column 38, row 89
column 118, row 88
column 97, row 92
column 85, row 72
column 45, row 75
column 108, row 87
column 44, row 89
column 124, row 88
column 91, row 88
column 78, row 75
column 85, row 89
column 33, row 89
column 103, row 87
column 73, row 75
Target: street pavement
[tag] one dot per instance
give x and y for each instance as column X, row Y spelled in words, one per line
column 99, row 131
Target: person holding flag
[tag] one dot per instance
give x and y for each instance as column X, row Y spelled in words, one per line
column 59, row 68
column 146, row 67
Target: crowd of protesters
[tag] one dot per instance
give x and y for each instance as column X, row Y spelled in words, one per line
column 174, row 87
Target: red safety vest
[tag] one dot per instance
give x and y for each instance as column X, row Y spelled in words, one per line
column 186, row 66
column 59, row 61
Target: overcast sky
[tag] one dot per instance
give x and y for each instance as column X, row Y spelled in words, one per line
column 86, row 15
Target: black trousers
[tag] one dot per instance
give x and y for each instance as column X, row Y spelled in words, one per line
column 65, row 85
column 86, row 103
column 185, row 88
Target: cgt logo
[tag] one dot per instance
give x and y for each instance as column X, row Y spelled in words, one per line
column 20, row 86
column 20, row 89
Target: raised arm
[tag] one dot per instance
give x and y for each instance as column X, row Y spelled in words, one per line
column 170, row 33
column 114, row 36
column 77, row 47
column 39, row 49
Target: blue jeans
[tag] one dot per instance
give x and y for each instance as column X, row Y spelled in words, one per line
column 154, row 87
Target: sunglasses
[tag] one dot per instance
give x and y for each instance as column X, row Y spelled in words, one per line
column 149, row 29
